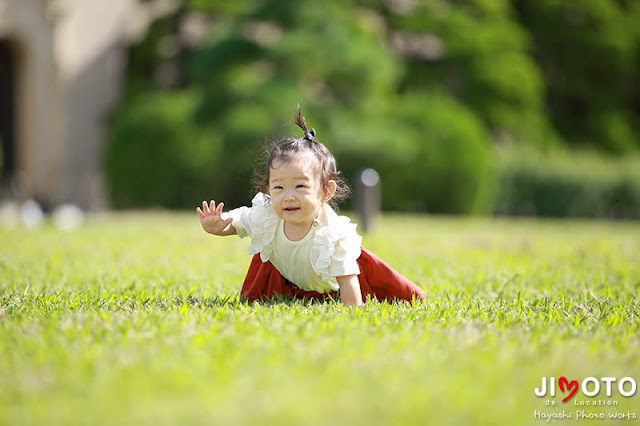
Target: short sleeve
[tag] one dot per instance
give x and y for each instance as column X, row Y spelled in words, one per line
column 241, row 219
column 259, row 222
column 336, row 249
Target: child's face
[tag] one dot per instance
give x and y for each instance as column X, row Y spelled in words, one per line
column 296, row 193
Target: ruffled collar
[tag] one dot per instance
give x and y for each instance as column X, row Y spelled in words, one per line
column 335, row 236
column 335, row 241
column 263, row 226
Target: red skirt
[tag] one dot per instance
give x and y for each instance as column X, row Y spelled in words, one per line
column 377, row 279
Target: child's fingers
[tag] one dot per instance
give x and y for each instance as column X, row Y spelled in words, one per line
column 205, row 208
column 212, row 207
column 200, row 213
column 219, row 209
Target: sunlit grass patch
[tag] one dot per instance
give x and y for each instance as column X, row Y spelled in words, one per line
column 135, row 319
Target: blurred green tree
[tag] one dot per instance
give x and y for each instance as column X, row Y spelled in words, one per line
column 335, row 58
column 589, row 51
column 158, row 157
column 477, row 51
column 255, row 67
column 261, row 58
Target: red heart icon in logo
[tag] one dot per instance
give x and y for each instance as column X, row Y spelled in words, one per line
column 573, row 384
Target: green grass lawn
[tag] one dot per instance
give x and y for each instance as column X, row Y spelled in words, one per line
column 134, row 319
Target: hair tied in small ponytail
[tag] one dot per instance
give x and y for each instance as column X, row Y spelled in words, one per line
column 310, row 136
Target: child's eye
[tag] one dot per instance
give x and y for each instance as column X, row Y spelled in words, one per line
column 301, row 186
column 277, row 187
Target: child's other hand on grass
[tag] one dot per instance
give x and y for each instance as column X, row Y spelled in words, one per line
column 211, row 219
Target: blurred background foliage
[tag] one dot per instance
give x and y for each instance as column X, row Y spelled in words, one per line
column 467, row 106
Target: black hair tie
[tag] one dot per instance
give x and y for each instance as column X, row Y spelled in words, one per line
column 310, row 136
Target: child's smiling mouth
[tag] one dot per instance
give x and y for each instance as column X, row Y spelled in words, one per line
column 291, row 209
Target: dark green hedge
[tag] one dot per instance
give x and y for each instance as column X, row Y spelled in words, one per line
column 561, row 185
column 432, row 153
column 157, row 157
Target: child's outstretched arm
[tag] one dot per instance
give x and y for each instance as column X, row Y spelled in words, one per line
column 211, row 220
column 350, row 290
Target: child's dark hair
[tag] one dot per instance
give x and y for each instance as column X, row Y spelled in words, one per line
column 286, row 148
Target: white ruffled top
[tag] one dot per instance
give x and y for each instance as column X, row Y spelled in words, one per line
column 329, row 250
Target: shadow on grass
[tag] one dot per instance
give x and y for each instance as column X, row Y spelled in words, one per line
column 128, row 299
column 239, row 301
column 134, row 298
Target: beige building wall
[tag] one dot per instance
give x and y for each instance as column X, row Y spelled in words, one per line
column 70, row 66
column 29, row 29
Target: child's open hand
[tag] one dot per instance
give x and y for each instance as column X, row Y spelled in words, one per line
column 211, row 219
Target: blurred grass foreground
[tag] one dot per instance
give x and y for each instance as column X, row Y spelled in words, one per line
column 133, row 319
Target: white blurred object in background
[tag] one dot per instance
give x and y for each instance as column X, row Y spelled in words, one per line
column 67, row 217
column 31, row 213
column 9, row 214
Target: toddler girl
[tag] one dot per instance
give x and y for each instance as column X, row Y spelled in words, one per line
column 301, row 247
